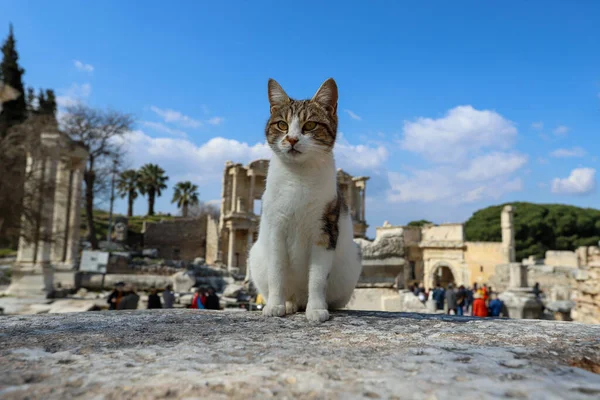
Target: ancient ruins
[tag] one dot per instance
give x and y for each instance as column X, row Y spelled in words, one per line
column 404, row 255
column 55, row 190
column 242, row 190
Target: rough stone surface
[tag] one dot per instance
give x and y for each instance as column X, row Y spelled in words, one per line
column 382, row 247
column 180, row 354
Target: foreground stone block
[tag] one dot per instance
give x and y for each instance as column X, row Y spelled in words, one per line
column 201, row 354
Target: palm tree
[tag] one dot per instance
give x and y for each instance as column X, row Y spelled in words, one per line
column 152, row 182
column 128, row 185
column 186, row 194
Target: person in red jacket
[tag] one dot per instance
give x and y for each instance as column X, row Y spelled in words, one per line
column 479, row 306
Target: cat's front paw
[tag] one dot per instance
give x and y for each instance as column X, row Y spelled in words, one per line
column 317, row 315
column 274, row 311
column 290, row 307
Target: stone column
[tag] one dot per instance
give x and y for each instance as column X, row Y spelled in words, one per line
column 350, row 200
column 27, row 248
column 518, row 275
column 234, row 191
column 362, row 204
column 61, row 211
column 231, row 248
column 75, row 215
column 508, row 235
column 44, row 250
column 251, row 194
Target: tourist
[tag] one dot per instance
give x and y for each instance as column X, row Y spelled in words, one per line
column 536, row 290
column 461, row 299
column 496, row 306
column 154, row 299
column 130, row 299
column 168, row 297
column 212, row 300
column 197, row 300
column 439, row 296
column 469, row 301
column 479, row 307
column 485, row 293
column 115, row 296
column 451, row 299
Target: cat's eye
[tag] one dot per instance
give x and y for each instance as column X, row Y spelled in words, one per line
column 282, row 125
column 309, row 126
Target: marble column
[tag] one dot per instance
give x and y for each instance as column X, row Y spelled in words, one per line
column 362, row 204
column 61, row 211
column 349, row 199
column 251, row 194
column 508, row 234
column 231, row 248
column 234, row 191
column 34, row 173
column 44, row 249
column 73, row 232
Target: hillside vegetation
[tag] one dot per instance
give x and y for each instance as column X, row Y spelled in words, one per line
column 538, row 227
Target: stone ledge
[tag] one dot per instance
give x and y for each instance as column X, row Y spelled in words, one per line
column 240, row 355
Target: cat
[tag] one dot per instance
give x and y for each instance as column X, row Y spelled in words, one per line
column 305, row 257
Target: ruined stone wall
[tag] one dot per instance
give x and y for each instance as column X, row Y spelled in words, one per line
column 482, row 258
column 183, row 239
column 560, row 258
column 586, row 294
column 452, row 232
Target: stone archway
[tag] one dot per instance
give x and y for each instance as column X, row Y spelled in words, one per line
column 443, row 274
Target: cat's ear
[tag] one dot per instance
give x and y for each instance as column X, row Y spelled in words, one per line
column 327, row 95
column 277, row 96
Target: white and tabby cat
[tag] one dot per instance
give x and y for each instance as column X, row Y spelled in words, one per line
column 304, row 258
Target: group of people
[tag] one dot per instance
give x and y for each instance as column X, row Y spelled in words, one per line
column 125, row 297
column 476, row 301
column 205, row 299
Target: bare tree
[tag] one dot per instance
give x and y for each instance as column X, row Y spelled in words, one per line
column 203, row 209
column 102, row 132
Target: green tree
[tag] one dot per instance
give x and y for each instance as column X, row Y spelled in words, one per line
column 152, row 182
column 185, row 195
column 15, row 111
column 128, row 186
column 420, row 222
column 538, row 227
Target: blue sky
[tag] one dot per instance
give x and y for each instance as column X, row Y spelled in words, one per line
column 448, row 106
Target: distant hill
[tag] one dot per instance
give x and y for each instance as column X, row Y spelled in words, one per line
column 538, row 227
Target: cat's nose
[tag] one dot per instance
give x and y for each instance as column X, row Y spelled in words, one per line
column 292, row 140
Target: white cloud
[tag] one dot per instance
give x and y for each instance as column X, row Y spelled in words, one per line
column 470, row 159
column 353, row 115
column 216, row 120
column 492, row 165
column 561, row 130
column 358, row 157
column 157, row 126
column 542, row 160
column 566, row 153
column 580, row 181
column 83, row 67
column 183, row 159
column 74, row 95
column 176, row 117
column 462, row 132
column 538, row 125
